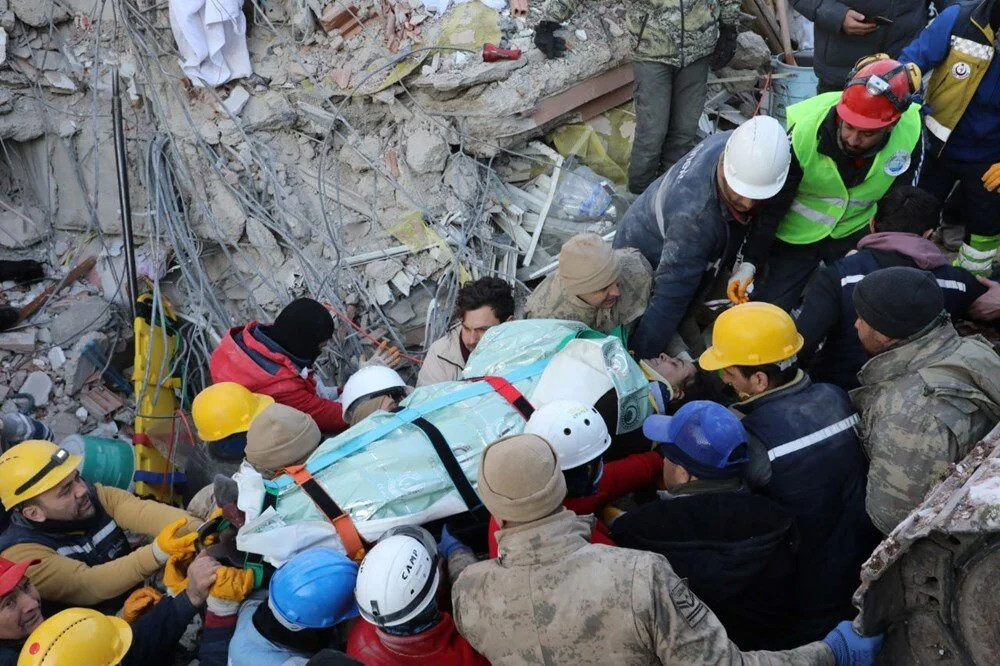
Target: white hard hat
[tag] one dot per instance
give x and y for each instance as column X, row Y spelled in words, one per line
column 397, row 580
column 757, row 157
column 369, row 381
column 575, row 430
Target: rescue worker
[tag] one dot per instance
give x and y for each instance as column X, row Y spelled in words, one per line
column 276, row 360
column 155, row 633
column 691, row 223
column 553, row 597
column 480, row 305
column 926, row 396
column 729, row 545
column 580, row 437
column 16, row 427
column 817, row 469
column 675, row 44
column 280, row 437
column 222, row 414
column 958, row 49
column 372, row 388
column 848, row 149
column 594, row 284
column 900, row 236
column 78, row 636
column 401, row 623
column 76, row 529
column 310, row 601
column 846, row 32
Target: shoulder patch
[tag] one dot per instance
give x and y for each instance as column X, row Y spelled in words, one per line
column 898, row 163
column 687, row 604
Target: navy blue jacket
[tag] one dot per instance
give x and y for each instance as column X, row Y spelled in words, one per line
column 818, row 473
column 698, row 236
column 827, row 315
column 976, row 138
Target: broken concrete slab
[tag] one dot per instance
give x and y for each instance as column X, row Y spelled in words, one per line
column 57, row 357
column 39, row 386
column 236, row 101
column 22, row 228
column 751, row 51
column 39, row 13
column 88, row 314
column 79, row 367
column 426, row 151
column 63, row 424
column 19, row 342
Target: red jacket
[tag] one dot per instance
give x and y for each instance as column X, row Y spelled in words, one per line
column 620, row 478
column 246, row 360
column 440, row 645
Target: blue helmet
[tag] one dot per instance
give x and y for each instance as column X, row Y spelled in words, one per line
column 314, row 589
column 703, row 437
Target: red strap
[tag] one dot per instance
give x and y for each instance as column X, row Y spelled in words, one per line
column 510, row 393
column 342, row 522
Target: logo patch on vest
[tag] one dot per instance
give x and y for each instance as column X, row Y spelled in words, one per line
column 898, row 163
column 961, row 70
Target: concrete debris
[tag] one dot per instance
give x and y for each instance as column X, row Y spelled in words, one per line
column 426, row 151
column 81, row 414
column 39, row 386
column 88, row 314
column 19, row 342
column 39, row 13
column 57, row 357
column 237, row 99
column 751, row 51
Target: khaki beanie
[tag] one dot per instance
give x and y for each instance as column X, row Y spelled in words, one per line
column 587, row 263
column 281, row 436
column 519, row 478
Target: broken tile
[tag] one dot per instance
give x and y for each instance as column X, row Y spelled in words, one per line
column 39, row 386
column 20, row 342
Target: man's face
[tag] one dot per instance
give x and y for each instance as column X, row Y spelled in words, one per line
column 874, row 342
column 738, row 203
column 475, row 323
column 674, row 475
column 20, row 611
column 70, row 500
column 744, row 386
column 674, row 370
column 857, row 141
column 603, row 298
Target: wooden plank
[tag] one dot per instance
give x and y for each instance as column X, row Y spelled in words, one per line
column 582, row 93
column 786, row 40
column 596, row 107
column 545, row 211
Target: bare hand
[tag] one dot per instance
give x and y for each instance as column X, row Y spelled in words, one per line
column 987, row 306
column 201, row 577
column 855, row 24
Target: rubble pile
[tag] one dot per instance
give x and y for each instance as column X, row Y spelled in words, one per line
column 372, row 159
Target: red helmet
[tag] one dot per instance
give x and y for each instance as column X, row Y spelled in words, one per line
column 876, row 95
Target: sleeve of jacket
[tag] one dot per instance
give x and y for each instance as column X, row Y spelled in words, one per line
column 213, row 649
column 156, row 633
column 559, row 10
column 683, row 631
column 761, row 234
column 621, row 477
column 687, row 249
column 66, row 581
column 931, row 46
column 328, row 414
column 729, row 12
column 827, row 14
column 820, row 311
column 141, row 516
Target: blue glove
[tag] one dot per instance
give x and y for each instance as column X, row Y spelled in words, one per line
column 448, row 544
column 850, row 649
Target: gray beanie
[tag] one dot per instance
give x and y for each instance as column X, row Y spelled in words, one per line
column 899, row 301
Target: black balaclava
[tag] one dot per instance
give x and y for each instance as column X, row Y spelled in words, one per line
column 302, row 328
column 582, row 481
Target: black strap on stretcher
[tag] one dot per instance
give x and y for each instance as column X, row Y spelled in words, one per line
column 450, row 462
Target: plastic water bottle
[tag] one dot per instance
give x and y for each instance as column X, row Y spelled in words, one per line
column 581, row 195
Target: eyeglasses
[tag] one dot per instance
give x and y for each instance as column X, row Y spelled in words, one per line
column 58, row 458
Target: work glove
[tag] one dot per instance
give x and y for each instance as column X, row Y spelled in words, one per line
column 991, row 179
column 232, row 584
column 326, row 392
column 546, row 40
column 168, row 543
column 175, row 573
column 725, row 48
column 850, row 649
column 8, row 317
column 389, row 356
column 448, row 544
column 139, row 602
column 21, row 271
column 739, row 283
column 222, row 607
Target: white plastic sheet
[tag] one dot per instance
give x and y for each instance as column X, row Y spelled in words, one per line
column 211, row 39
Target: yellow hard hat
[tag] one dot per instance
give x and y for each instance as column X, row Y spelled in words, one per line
column 30, row 468
column 225, row 409
column 77, row 636
column 751, row 334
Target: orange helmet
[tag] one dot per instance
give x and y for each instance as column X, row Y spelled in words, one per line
column 877, row 93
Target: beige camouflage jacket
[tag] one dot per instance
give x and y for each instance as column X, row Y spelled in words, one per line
column 635, row 280
column 923, row 405
column 551, row 597
column 674, row 32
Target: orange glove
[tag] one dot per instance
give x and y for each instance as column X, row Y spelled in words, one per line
column 139, row 602
column 739, row 283
column 232, row 584
column 175, row 573
column 169, row 543
column 991, row 179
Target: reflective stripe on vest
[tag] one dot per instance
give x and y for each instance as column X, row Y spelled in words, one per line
column 823, row 205
column 88, row 546
column 814, row 438
column 944, row 284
